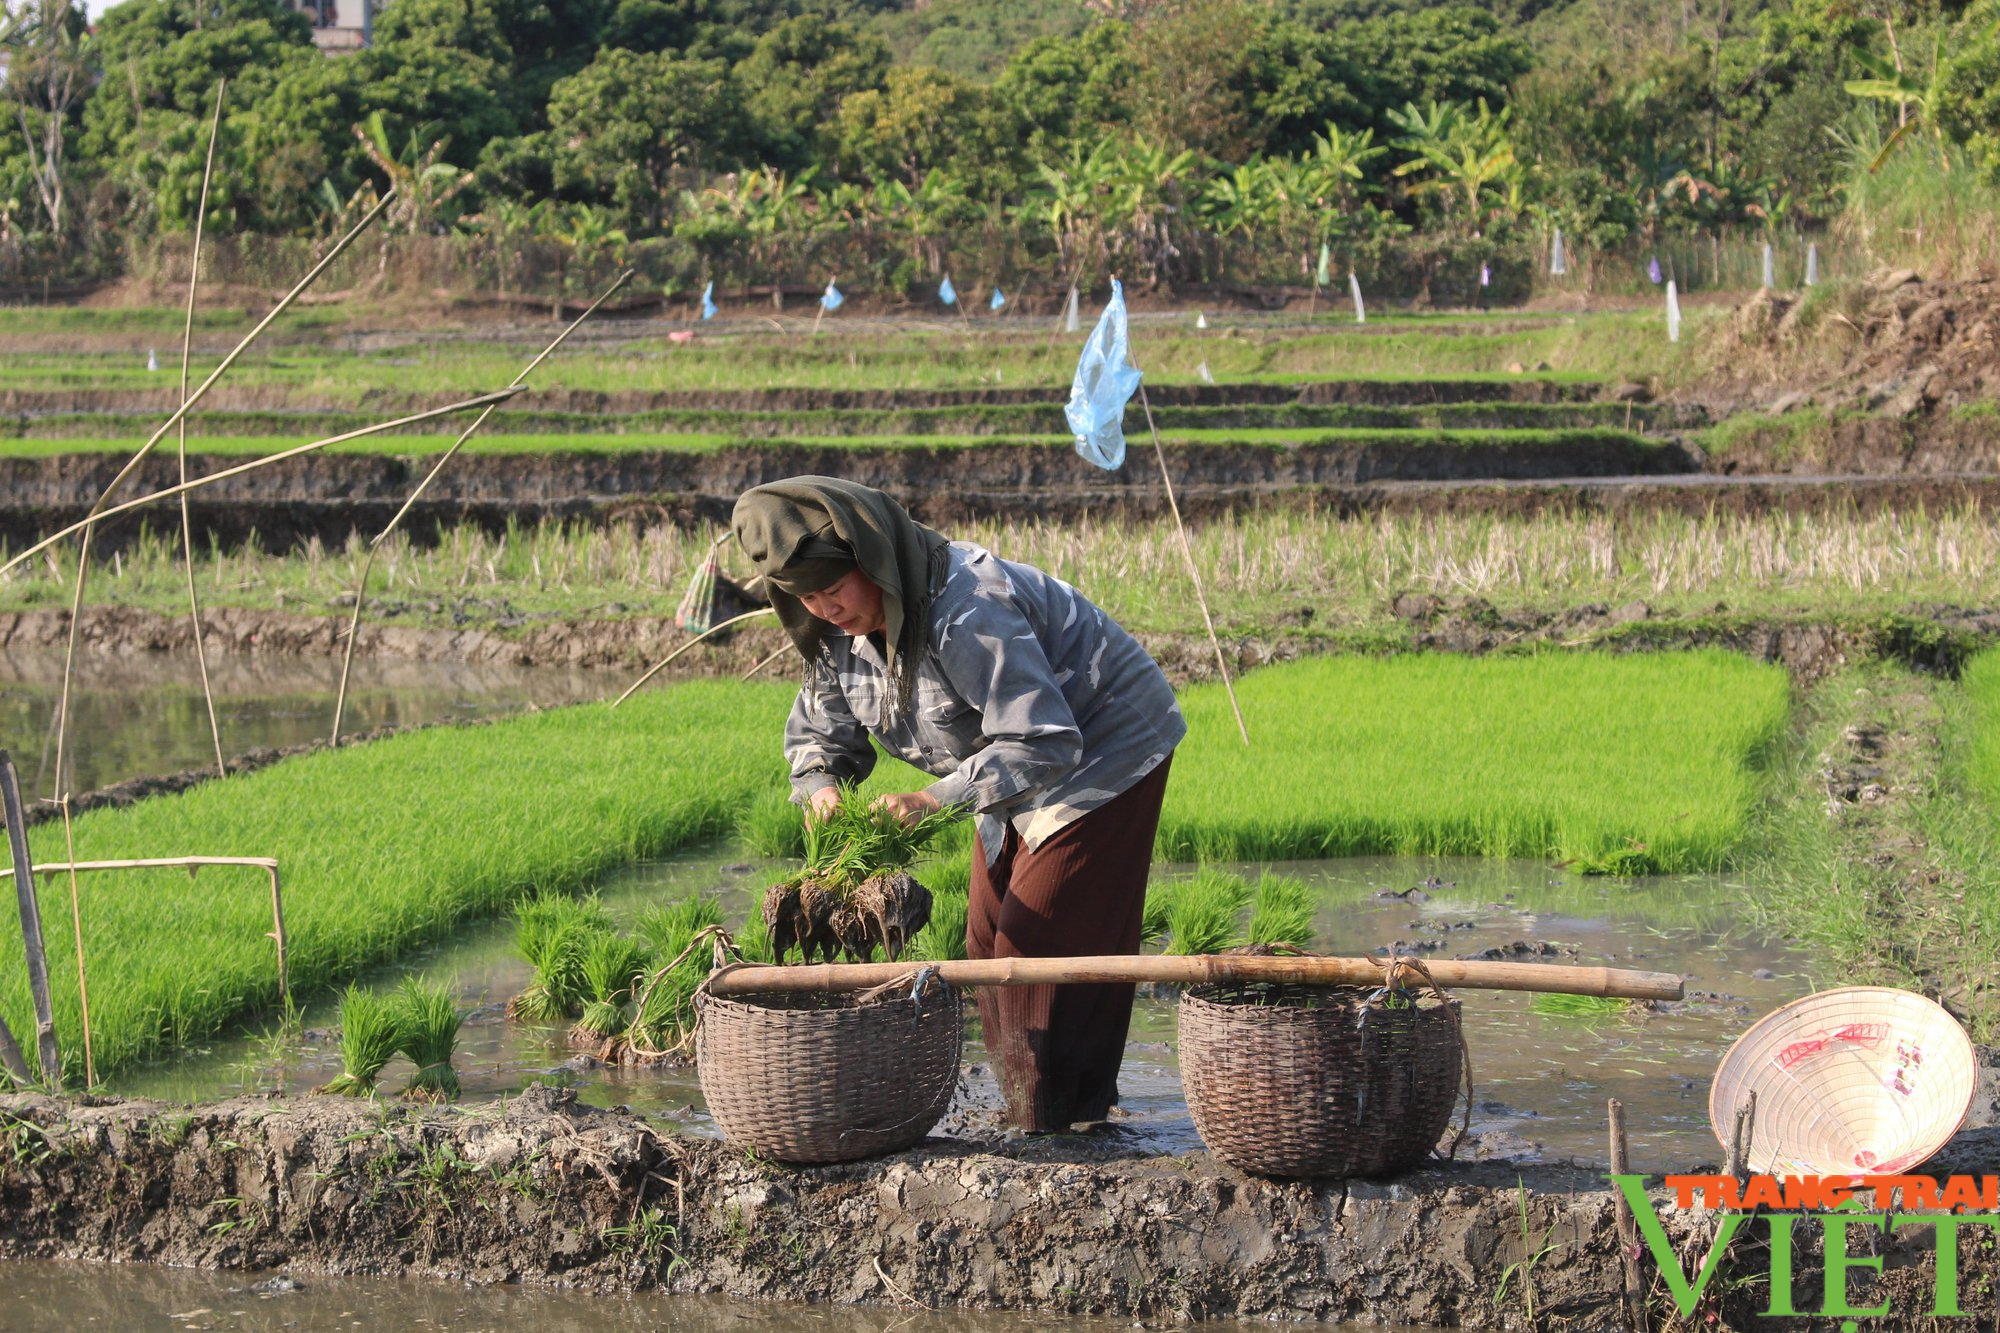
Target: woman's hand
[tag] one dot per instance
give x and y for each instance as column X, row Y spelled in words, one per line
column 907, row 806
column 821, row 804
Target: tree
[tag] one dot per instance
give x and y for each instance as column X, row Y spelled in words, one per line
column 794, row 80
column 46, row 80
column 919, row 119
column 1917, row 101
column 1968, row 87
column 629, row 123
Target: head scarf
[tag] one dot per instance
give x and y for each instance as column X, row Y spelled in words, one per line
column 793, row 531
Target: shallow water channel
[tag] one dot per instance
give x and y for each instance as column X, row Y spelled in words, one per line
column 71, row 1298
column 1541, row 1078
column 142, row 714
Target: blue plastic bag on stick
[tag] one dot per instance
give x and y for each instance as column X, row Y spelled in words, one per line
column 997, row 301
column 946, row 292
column 831, row 299
column 708, row 301
column 1105, row 382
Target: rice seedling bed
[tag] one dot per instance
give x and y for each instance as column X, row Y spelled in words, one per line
column 1629, row 764
column 1000, row 419
column 739, row 355
column 1625, row 763
column 1617, row 441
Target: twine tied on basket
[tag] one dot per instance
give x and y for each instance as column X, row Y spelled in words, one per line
column 725, row 956
column 1395, row 969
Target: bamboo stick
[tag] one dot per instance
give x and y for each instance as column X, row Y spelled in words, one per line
column 31, row 925
column 1541, row 977
column 660, row 665
column 181, row 453
column 485, row 399
column 1194, row 570
column 368, row 561
column 76, row 936
column 1628, row 1232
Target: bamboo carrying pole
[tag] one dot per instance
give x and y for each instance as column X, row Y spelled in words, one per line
column 745, row 979
column 31, row 924
column 661, row 665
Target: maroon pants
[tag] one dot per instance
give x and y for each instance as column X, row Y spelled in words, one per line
column 1056, row 1049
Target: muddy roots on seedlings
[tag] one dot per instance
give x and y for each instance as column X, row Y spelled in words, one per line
column 855, row 894
column 371, row 1031
column 429, row 1022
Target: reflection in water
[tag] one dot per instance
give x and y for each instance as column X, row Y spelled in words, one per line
column 1541, row 1080
column 71, row 1297
column 142, row 714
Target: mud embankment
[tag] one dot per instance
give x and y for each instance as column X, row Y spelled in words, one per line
column 329, row 496
column 545, row 1191
column 239, row 397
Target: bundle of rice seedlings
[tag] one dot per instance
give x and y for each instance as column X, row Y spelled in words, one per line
column 553, row 935
column 371, row 1031
column 429, row 1022
column 1585, row 1007
column 1159, row 906
column 668, row 930
column 610, row 969
column 663, row 1008
column 855, row 892
column 1282, row 913
column 1204, row 913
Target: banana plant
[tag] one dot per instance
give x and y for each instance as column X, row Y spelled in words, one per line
column 424, row 182
column 1916, row 101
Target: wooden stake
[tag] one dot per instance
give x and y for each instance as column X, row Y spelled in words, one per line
column 31, row 924
column 498, row 396
column 1740, row 1139
column 187, row 525
column 11, row 1058
column 744, row 979
column 1628, row 1232
column 1187, row 550
column 368, row 561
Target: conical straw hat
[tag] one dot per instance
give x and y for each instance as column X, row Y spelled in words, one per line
column 1860, row 1081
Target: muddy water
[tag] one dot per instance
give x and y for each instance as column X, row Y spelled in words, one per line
column 1541, row 1078
column 72, row 1298
column 142, row 715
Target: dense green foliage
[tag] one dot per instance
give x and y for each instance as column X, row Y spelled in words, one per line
column 1635, row 762
column 1194, row 139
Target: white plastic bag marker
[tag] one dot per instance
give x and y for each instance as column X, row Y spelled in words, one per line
column 1673, row 312
column 1767, row 266
column 1070, row 321
column 1105, row 381
column 1812, row 265
column 1360, row 311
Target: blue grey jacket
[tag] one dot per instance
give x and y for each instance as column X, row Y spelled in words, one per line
column 1031, row 705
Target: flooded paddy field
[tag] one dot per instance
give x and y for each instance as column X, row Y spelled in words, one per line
column 140, row 714
column 1541, row 1076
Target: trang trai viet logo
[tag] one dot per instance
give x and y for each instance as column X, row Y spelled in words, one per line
column 1839, row 1204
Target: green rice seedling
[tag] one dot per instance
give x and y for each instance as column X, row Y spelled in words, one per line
column 1160, row 896
column 1586, row 1007
column 855, row 891
column 1282, row 913
column 611, row 967
column 1205, row 915
column 553, row 935
column 771, row 825
column 663, row 1008
column 943, row 936
column 371, row 1032
column 429, row 1021
column 668, row 930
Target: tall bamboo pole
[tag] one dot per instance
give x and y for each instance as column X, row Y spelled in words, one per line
column 181, row 453
column 31, row 924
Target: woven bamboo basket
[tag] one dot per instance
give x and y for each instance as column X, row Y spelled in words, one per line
column 810, row 1077
column 1319, row 1080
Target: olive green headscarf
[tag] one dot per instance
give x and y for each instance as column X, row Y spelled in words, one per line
column 798, row 531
